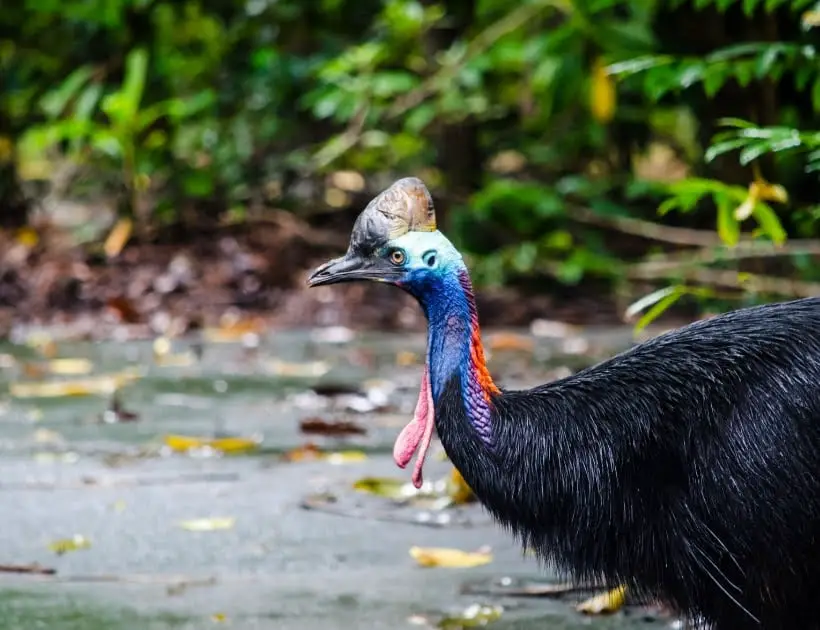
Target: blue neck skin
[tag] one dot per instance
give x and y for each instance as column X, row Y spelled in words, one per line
column 447, row 301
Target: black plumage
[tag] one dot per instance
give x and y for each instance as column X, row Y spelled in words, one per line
column 686, row 468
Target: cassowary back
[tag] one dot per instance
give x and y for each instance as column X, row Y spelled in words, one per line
column 687, row 466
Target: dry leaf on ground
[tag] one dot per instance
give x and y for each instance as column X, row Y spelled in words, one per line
column 449, row 558
column 604, row 603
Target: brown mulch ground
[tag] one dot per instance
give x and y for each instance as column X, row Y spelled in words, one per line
column 251, row 270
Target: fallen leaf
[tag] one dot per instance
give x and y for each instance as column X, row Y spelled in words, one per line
column 474, row 616
column 29, row 569
column 383, row 487
column 311, row 452
column 60, row 367
column 604, row 603
column 123, row 309
column 308, row 452
column 323, row 427
column 345, row 457
column 103, row 384
column 232, row 328
column 64, row 545
column 118, row 237
column 459, row 491
column 311, row 369
column 207, row 524
column 406, row 358
column 233, row 445
column 117, row 413
column 449, row 558
column 219, row 617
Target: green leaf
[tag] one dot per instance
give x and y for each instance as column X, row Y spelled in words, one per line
column 55, row 102
column 769, row 222
column 723, row 147
column 660, row 300
column 136, row 70
column 727, row 226
column 714, row 79
column 735, row 122
column 815, row 96
column 754, row 151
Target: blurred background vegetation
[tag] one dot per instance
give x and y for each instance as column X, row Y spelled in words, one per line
column 630, row 147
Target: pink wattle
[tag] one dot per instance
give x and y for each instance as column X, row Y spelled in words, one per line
column 417, row 434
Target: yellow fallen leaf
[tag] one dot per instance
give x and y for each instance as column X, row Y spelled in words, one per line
column 104, row 384
column 382, row 487
column 64, row 545
column 602, row 94
column 405, row 358
column 449, row 558
column 345, row 457
column 604, row 603
column 118, row 237
column 458, row 489
column 219, row 617
column 207, row 524
column 233, row 444
column 232, row 329
column 70, row 367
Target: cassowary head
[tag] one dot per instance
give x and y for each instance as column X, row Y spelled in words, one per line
column 395, row 240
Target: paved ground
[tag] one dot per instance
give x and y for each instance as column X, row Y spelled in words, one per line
column 279, row 567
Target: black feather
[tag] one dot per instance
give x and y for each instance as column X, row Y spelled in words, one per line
column 687, row 468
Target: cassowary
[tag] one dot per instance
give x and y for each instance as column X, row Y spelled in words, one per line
column 686, row 468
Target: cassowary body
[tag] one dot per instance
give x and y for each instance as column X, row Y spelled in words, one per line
column 687, row 468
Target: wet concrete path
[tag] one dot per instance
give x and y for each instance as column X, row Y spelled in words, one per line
column 64, row 471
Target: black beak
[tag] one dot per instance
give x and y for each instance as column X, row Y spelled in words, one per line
column 352, row 267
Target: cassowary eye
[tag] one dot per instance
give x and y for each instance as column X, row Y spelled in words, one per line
column 397, row 257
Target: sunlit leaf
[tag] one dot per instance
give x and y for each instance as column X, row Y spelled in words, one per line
column 104, row 384
column 648, row 300
column 727, row 226
column 605, row 603
column 603, row 95
column 118, row 237
column 311, row 369
column 388, row 487
column 70, row 367
column 64, row 545
column 345, row 457
column 27, row 237
column 207, row 524
column 233, row 445
column 449, row 558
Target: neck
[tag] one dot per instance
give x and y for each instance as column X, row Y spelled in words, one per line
column 455, row 352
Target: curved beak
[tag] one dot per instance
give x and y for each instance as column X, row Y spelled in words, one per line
column 352, row 267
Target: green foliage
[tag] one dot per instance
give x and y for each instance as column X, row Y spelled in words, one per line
column 548, row 128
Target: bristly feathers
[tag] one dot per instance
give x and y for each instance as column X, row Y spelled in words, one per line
column 685, row 468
